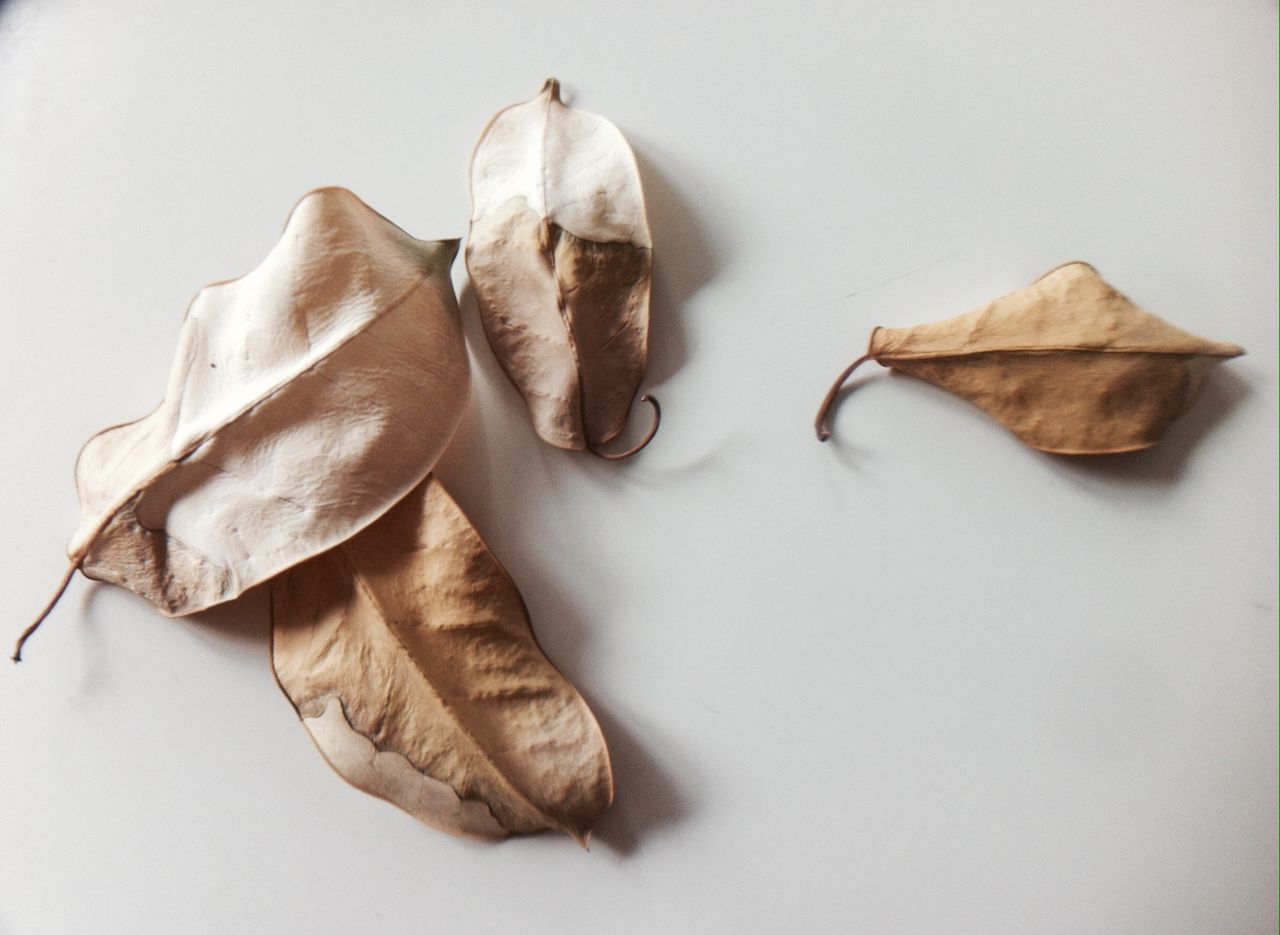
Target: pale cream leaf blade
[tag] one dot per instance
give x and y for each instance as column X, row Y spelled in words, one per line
column 305, row 399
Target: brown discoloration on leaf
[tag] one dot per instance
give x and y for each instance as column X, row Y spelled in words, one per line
column 422, row 638
column 1069, row 364
column 560, row 259
column 305, row 398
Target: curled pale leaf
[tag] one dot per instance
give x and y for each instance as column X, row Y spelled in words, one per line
column 1068, row 364
column 305, row 399
column 559, row 256
column 408, row 654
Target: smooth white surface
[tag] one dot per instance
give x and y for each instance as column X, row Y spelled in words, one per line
column 918, row 680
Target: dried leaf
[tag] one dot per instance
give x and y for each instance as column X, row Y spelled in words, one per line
column 305, row 399
column 1068, row 364
column 408, row 654
column 559, row 255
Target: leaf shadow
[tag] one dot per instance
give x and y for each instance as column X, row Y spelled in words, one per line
column 240, row 623
column 646, row 796
column 494, row 484
column 685, row 259
column 466, row 467
column 1165, row 463
column 92, row 675
column 245, row 620
column 497, row 486
column 1160, row 466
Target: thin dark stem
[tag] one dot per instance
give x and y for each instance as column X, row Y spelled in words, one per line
column 48, row 609
column 653, row 430
column 820, row 423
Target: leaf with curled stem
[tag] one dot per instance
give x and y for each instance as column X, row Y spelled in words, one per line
column 1068, row 364
column 560, row 258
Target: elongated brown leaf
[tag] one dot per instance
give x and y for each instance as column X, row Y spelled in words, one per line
column 1068, row 364
column 408, row 654
column 559, row 255
column 305, row 399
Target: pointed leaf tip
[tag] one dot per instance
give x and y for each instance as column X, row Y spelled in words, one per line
column 409, row 655
column 1068, row 364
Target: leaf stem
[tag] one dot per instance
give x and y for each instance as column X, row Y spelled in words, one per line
column 72, row 567
column 820, row 422
column 653, row 430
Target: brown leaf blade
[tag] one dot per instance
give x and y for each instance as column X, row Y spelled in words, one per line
column 560, row 258
column 408, row 654
column 1068, row 364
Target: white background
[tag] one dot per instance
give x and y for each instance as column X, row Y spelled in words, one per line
column 919, row 680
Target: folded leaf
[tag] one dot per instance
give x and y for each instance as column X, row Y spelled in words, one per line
column 408, row 654
column 559, row 255
column 305, row 399
column 1068, row 364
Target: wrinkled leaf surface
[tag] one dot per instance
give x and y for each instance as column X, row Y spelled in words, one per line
column 1068, row 364
column 408, row 653
column 559, row 256
column 305, row 399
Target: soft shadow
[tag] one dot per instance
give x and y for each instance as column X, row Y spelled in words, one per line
column 92, row 675
column 466, row 469
column 647, row 473
column 646, row 797
column 1165, row 463
column 244, row 621
column 1162, row 465
column 685, row 259
column 247, row 619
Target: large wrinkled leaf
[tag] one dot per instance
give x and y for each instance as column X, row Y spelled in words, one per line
column 407, row 652
column 305, row 399
column 1068, row 364
column 559, row 255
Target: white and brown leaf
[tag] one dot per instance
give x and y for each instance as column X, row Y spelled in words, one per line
column 560, row 256
column 306, row 398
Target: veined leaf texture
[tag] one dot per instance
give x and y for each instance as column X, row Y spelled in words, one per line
column 408, row 654
column 559, row 256
column 305, row 399
column 1068, row 364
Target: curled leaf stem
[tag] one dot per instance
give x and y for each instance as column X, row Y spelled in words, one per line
column 48, row 609
column 636, row 449
column 820, row 422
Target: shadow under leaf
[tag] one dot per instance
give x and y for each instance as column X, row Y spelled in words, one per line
column 1166, row 462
